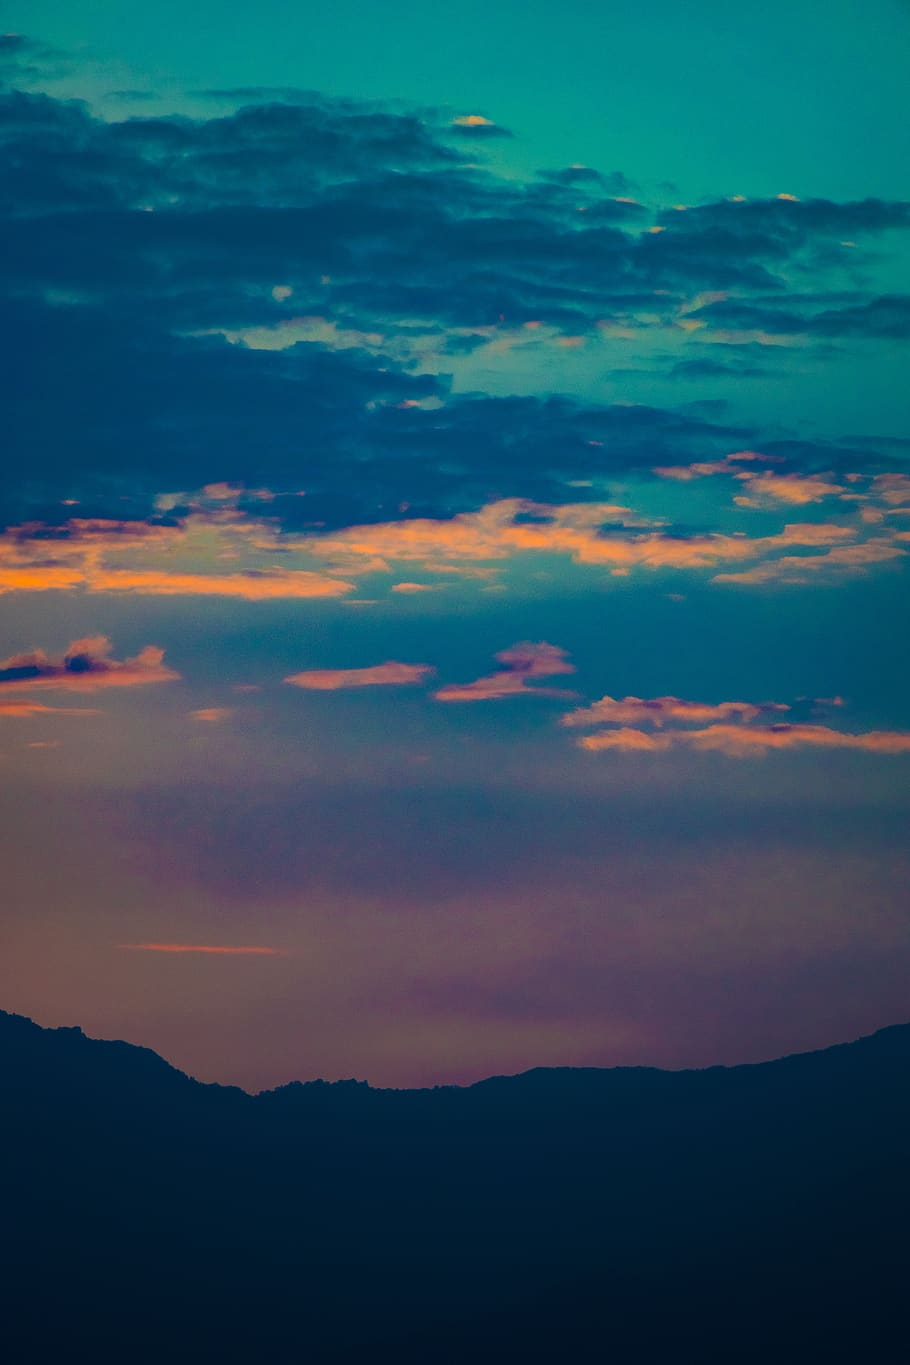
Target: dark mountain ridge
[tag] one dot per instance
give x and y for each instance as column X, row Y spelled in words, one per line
column 626, row 1214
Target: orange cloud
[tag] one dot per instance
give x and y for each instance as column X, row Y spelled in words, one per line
column 389, row 674
column 659, row 711
column 522, row 662
column 730, row 464
column 843, row 559
column 253, row 585
column 764, row 488
column 627, row 739
column 212, row 715
column 86, row 666
column 34, row 559
column 26, row 708
column 513, row 526
column 792, row 489
column 39, row 578
column 893, row 489
column 199, row 948
column 75, row 556
column 744, row 741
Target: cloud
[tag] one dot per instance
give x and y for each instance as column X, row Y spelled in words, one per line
column 602, row 534
column 475, row 125
column 212, row 715
column 737, row 729
column 660, row 711
column 390, row 674
column 884, row 317
column 131, row 248
column 738, row 741
column 252, row 585
column 86, row 666
column 892, row 489
column 523, row 662
column 200, row 948
column 767, row 488
column 25, row 709
column 840, row 561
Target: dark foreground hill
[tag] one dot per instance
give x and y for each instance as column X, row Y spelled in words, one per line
column 746, row 1214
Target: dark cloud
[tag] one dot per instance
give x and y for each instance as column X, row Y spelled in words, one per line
column 785, row 220
column 704, row 367
column 887, row 316
column 130, row 248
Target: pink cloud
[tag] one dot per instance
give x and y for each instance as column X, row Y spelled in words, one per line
column 199, row 948
column 745, row 741
column 730, row 464
column 522, row 662
column 659, row 711
column 86, row 666
column 24, row 708
column 390, row 674
column 893, row 489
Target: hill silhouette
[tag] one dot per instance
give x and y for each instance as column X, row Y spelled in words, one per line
column 742, row 1214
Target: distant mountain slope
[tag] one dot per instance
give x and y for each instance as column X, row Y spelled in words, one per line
column 753, row 1214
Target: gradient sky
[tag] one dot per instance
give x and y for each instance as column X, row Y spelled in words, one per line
column 453, row 541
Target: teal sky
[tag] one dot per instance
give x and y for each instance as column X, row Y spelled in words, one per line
column 716, row 98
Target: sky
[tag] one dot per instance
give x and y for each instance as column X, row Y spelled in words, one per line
column 454, row 532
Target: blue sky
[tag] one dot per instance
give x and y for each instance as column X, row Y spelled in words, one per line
column 455, row 538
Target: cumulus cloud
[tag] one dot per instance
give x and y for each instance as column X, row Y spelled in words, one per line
column 522, row 663
column 86, row 666
column 390, row 674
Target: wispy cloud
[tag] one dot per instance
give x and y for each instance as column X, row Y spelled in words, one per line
column 837, row 562
column 746, row 742
column 659, row 711
column 522, row 663
column 26, row 708
column 737, row 729
column 201, row 948
column 390, row 674
column 252, row 585
column 614, row 537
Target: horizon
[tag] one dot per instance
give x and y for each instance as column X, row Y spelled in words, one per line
column 454, row 536
column 455, row 1085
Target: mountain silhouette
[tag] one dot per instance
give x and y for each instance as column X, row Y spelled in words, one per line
column 735, row 1214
